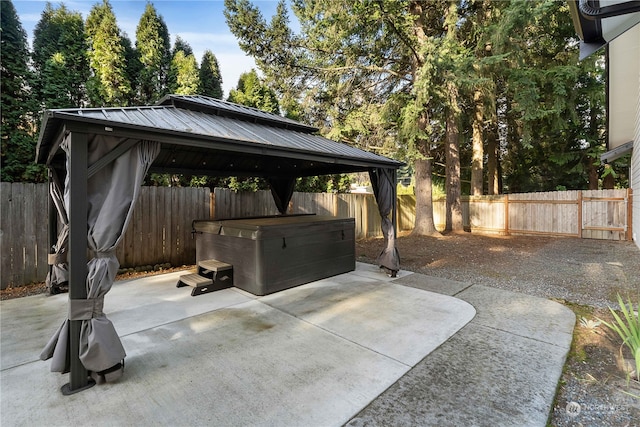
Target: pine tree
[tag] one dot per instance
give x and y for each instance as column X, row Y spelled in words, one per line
column 60, row 59
column 185, row 70
column 132, row 69
column 108, row 84
column 16, row 135
column 210, row 78
column 184, row 76
column 181, row 45
column 154, row 49
column 253, row 93
column 353, row 65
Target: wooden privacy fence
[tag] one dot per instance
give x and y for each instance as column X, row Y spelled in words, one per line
column 363, row 207
column 593, row 214
column 160, row 230
column 587, row 214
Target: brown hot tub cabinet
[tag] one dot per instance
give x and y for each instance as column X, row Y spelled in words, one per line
column 270, row 254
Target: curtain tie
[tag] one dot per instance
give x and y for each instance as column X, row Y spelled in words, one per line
column 100, row 254
column 86, row 309
column 57, row 258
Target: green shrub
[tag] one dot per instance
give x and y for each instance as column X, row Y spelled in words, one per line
column 628, row 327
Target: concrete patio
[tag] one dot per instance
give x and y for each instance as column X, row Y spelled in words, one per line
column 359, row 349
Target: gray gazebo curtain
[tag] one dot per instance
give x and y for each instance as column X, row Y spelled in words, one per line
column 59, row 273
column 282, row 190
column 383, row 183
column 111, row 196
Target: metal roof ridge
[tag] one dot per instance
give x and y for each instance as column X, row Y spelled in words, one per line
column 241, row 112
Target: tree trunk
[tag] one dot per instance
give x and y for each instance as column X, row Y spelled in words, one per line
column 424, row 224
column 609, row 181
column 492, row 162
column 593, row 173
column 594, row 134
column 477, row 143
column 453, row 187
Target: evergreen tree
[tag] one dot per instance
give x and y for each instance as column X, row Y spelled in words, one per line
column 185, row 70
column 551, row 105
column 60, row 59
column 16, row 134
column 109, row 84
column 184, row 76
column 353, row 69
column 210, row 78
column 181, row 45
column 154, row 49
column 133, row 68
column 253, row 93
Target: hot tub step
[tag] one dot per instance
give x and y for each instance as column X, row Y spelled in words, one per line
column 201, row 285
column 220, row 272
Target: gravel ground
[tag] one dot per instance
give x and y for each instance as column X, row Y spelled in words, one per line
column 581, row 271
column 585, row 275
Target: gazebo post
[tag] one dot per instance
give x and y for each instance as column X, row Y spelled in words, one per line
column 52, row 224
column 394, row 208
column 77, row 174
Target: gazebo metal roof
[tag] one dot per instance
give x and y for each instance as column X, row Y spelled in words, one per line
column 206, row 136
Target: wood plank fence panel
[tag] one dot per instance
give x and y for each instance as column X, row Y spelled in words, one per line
column 544, row 213
column 486, row 213
column 406, row 212
column 605, row 215
column 160, row 228
column 23, row 233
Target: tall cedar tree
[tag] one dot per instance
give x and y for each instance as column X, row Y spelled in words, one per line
column 252, row 92
column 181, row 45
column 389, row 74
column 184, row 76
column 109, row 84
column 353, row 68
column 154, row 50
column 132, row 68
column 185, row 70
column 16, row 135
column 59, row 59
column 210, row 78
column 550, row 105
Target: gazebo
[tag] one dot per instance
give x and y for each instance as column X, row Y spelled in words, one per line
column 97, row 159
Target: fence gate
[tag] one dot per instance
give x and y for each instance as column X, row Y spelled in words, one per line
column 605, row 217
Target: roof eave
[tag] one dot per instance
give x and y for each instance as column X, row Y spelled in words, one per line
column 55, row 120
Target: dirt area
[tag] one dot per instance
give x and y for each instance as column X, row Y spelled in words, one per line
column 41, row 288
column 585, row 275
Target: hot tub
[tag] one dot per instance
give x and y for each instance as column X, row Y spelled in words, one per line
column 270, row 254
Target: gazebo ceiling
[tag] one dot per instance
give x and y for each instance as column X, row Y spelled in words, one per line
column 206, row 136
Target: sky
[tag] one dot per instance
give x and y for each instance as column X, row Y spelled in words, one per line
column 200, row 23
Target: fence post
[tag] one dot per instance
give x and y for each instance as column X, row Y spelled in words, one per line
column 579, row 214
column 506, row 215
column 212, row 204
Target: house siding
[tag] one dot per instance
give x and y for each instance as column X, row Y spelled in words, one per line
column 624, row 113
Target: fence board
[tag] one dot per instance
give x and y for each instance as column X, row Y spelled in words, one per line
column 6, row 233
